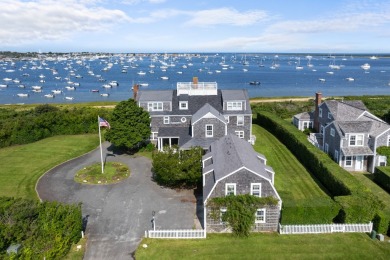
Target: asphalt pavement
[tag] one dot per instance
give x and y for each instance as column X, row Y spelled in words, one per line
column 117, row 215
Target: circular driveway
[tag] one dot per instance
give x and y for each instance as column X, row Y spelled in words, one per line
column 118, row 214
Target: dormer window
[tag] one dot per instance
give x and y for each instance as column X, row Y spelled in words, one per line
column 155, row 106
column 183, row 105
column 234, row 106
column 356, row 140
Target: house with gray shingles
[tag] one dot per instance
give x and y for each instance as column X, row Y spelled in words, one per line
column 350, row 134
column 196, row 114
column 231, row 166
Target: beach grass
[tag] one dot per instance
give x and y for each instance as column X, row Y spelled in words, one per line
column 267, row 246
column 22, row 165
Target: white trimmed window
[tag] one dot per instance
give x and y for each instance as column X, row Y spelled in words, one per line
column 234, row 105
column 227, row 119
column 240, row 134
column 329, row 115
column 230, row 189
column 166, row 120
column 209, row 131
column 240, row 120
column 183, row 105
column 256, row 189
column 320, row 112
column 326, row 148
column 332, row 132
column 356, row 140
column 222, row 212
column 348, row 161
column 336, row 156
column 155, row 106
column 260, row 216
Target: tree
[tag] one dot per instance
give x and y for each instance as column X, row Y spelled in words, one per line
column 130, row 125
column 174, row 168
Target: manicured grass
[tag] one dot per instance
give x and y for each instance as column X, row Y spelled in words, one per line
column 113, row 172
column 293, row 182
column 367, row 180
column 22, row 165
column 77, row 253
column 267, row 246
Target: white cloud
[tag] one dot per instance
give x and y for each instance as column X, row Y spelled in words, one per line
column 32, row 21
column 226, row 16
column 134, row 2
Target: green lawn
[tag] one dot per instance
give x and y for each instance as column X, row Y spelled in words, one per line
column 367, row 180
column 267, row 246
column 22, row 165
column 297, row 188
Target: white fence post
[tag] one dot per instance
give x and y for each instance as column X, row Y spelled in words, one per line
column 324, row 228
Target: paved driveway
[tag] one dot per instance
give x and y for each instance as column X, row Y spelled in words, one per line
column 118, row 214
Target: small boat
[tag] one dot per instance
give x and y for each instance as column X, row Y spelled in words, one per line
column 365, row 66
column 114, row 83
column 70, row 88
column 7, row 79
column 56, row 91
column 36, row 87
column 322, row 80
column 107, row 86
column 244, row 70
column 42, row 76
column 21, row 86
column 69, row 98
column 254, row 83
column 22, row 95
column 350, row 79
column 95, row 90
column 49, row 95
column 143, row 84
column 141, row 73
column 17, row 81
column 330, row 72
column 37, row 90
column 3, row 86
column 164, row 78
column 104, row 94
column 373, row 57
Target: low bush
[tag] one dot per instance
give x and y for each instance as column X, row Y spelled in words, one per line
column 382, row 177
column 381, row 222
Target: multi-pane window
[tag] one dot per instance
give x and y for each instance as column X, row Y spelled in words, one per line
column 183, row 105
column 240, row 120
column 348, row 161
column 332, row 131
column 320, row 112
column 155, row 106
column 234, row 105
column 222, row 214
column 260, row 216
column 256, row 189
column 154, row 136
column 166, row 120
column 356, row 140
column 230, row 189
column 326, row 148
column 240, row 134
column 336, row 156
column 209, row 131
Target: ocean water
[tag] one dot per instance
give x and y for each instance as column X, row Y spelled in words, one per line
column 228, row 70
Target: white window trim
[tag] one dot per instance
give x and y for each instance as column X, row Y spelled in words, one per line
column 326, row 148
column 154, row 136
column 356, row 139
column 221, row 212
column 154, row 106
column 320, row 112
column 345, row 161
column 234, row 105
column 336, row 156
column 388, row 140
column 183, row 119
column 240, row 134
column 253, row 184
column 183, row 103
column 332, row 132
column 227, row 119
column 166, row 120
column 243, row 119
column 329, row 115
column 226, row 188
column 212, row 131
column 264, row 215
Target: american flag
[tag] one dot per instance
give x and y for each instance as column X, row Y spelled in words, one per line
column 103, row 122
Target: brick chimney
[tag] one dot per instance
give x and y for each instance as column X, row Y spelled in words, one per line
column 318, row 102
column 135, row 91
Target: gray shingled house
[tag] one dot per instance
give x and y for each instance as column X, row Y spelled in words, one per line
column 231, row 166
column 350, row 134
column 196, row 114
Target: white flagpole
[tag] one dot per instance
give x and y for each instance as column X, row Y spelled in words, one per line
column 100, row 140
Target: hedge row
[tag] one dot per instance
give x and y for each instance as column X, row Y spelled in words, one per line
column 382, row 177
column 358, row 204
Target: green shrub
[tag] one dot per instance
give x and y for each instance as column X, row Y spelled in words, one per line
column 384, row 150
column 381, row 222
column 382, row 177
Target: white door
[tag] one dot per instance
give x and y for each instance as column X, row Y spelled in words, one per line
column 359, row 163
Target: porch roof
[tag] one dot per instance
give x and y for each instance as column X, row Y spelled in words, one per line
column 358, row 150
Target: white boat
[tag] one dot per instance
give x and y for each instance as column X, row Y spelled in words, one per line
column 321, row 80
column 365, row 66
column 56, row 91
column 113, row 83
column 373, row 57
column 3, row 86
column 298, row 66
column 17, row 81
column 244, row 70
column 330, row 72
column 107, row 86
column 22, row 95
column 37, row 90
column 70, row 87
column 104, row 94
column 49, row 95
column 21, row 86
column 36, row 87
column 164, row 78
column 143, row 84
column 350, row 79
column 7, row 79
column 42, row 76
column 69, row 98
column 141, row 73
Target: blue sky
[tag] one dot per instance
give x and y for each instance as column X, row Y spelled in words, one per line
column 343, row 26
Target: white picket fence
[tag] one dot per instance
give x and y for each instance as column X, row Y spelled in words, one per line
column 325, row 228
column 178, row 234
